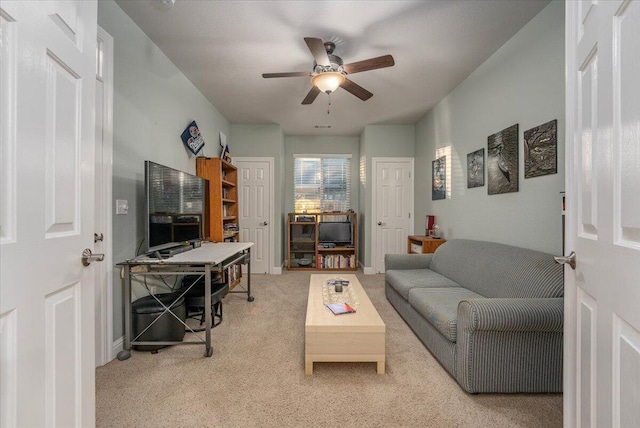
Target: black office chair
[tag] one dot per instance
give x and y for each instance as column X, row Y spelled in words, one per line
column 195, row 298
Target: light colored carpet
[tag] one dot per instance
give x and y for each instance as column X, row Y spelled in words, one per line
column 255, row 377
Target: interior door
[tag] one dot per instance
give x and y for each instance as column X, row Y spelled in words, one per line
column 254, row 193
column 393, row 203
column 46, row 294
column 602, row 319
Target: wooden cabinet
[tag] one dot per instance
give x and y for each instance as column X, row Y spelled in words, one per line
column 306, row 249
column 423, row 244
column 221, row 211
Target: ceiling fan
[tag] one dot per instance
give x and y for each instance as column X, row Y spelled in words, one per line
column 329, row 71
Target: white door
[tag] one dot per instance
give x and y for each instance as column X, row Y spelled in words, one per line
column 392, row 202
column 103, row 280
column 47, row 375
column 255, row 186
column 602, row 303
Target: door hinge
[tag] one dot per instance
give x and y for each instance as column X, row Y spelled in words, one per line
column 409, row 215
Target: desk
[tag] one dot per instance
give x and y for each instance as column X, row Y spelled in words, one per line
column 205, row 259
column 418, row 244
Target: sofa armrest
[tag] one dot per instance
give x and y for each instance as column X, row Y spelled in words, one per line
column 511, row 314
column 407, row 261
column 511, row 345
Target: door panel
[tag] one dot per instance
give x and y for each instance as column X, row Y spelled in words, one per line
column 255, row 210
column 46, row 297
column 602, row 323
column 393, row 204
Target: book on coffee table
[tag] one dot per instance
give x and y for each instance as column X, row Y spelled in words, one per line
column 340, row 308
column 338, row 282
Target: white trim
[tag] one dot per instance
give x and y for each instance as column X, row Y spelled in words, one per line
column 569, row 380
column 368, row 270
column 105, row 289
column 272, row 216
column 374, row 165
column 276, row 270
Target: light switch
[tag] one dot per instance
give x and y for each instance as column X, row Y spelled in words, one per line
column 122, row 206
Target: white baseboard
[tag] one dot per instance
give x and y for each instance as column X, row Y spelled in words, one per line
column 116, row 347
column 368, row 270
column 277, row 270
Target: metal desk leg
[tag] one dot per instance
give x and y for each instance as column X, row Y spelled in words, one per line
column 248, row 258
column 126, row 351
column 207, row 309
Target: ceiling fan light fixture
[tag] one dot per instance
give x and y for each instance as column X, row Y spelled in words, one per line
column 328, row 81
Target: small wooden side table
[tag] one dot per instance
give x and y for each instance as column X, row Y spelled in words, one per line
column 418, row 244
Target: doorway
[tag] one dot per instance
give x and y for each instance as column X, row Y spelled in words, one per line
column 391, row 208
column 255, row 212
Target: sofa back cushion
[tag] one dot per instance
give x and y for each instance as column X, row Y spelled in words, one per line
column 498, row 270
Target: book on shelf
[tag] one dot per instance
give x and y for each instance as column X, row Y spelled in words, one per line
column 340, row 308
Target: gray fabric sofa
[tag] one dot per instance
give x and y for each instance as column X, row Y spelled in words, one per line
column 492, row 314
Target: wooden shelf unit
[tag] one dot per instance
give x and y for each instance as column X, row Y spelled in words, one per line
column 302, row 243
column 222, row 198
column 221, row 211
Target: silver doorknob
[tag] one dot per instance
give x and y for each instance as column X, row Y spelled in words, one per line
column 264, row 223
column 88, row 257
column 570, row 260
column 379, row 223
column 98, row 237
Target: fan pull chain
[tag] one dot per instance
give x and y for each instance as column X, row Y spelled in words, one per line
column 329, row 104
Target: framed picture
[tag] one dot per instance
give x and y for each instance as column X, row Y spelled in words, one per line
column 475, row 169
column 541, row 150
column 192, row 138
column 502, row 161
column 438, row 184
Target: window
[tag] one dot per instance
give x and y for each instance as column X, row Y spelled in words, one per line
column 322, row 183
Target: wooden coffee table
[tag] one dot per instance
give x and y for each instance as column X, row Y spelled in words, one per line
column 356, row 337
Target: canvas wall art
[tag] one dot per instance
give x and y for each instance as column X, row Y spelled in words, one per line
column 439, row 185
column 475, row 169
column 502, row 161
column 541, row 150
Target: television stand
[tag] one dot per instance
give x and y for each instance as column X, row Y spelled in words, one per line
column 305, row 249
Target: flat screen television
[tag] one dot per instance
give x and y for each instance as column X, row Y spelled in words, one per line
column 330, row 232
column 174, row 209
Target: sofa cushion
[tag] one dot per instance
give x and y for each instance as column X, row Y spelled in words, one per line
column 439, row 306
column 498, row 270
column 404, row 280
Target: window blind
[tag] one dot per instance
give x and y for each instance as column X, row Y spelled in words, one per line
column 322, row 183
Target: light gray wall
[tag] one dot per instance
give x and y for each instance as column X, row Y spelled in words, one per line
column 152, row 104
column 523, row 83
column 391, row 141
column 265, row 141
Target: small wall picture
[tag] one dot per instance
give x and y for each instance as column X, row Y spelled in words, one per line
column 541, row 150
column 438, row 189
column 502, row 161
column 192, row 138
column 475, row 169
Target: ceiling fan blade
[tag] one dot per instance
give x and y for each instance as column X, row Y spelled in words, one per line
column 316, row 46
column 369, row 64
column 290, row 74
column 311, row 96
column 355, row 89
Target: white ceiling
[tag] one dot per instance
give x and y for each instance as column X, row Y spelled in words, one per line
column 223, row 47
